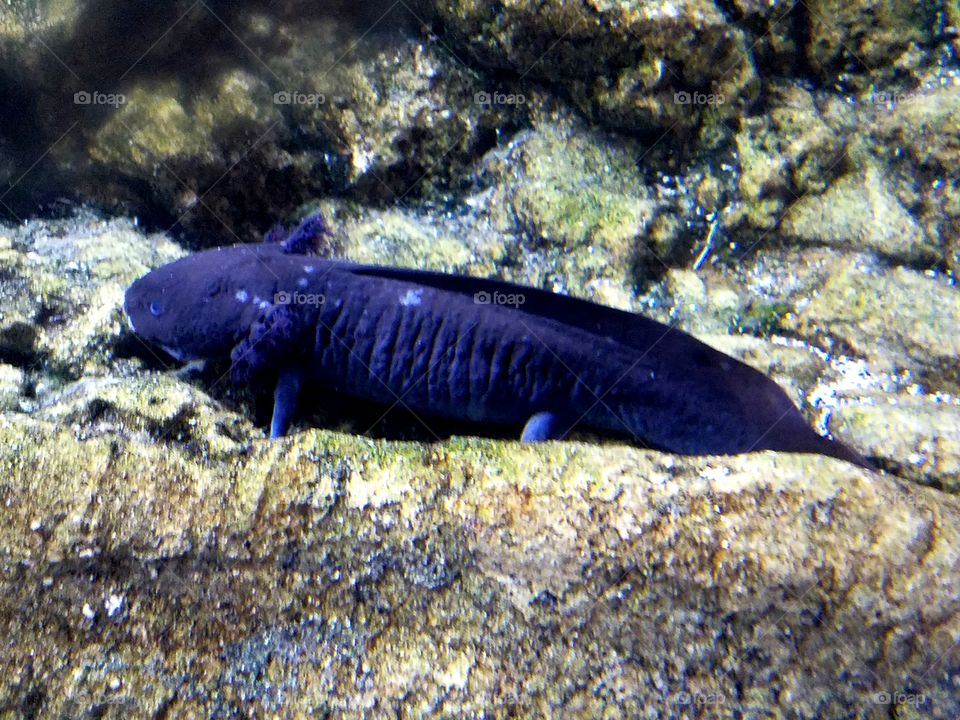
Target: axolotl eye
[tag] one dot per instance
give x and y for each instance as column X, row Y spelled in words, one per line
column 156, row 309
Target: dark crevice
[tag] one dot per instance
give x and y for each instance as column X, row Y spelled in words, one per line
column 801, row 24
column 18, row 345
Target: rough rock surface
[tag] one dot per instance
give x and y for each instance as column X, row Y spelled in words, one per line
column 239, row 113
column 61, row 288
column 861, row 211
column 918, row 138
column 870, row 37
column 159, row 555
column 861, row 310
column 918, row 436
column 664, row 65
column 242, row 112
column 325, row 573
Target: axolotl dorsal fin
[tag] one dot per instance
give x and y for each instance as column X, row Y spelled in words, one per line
column 305, row 239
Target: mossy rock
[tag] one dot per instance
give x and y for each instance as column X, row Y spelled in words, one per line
column 632, row 65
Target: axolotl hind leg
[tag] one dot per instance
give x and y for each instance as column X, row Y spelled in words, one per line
column 542, row 426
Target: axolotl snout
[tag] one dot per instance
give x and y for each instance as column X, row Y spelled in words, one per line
column 460, row 347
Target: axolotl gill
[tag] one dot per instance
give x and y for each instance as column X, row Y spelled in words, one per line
column 462, row 348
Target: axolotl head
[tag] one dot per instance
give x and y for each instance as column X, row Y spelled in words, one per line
column 202, row 305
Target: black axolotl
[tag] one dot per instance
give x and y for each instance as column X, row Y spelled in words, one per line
column 463, row 348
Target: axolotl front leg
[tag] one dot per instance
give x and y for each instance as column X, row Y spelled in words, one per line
column 285, row 398
column 276, row 343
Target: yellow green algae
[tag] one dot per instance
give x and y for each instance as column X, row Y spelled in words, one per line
column 922, row 432
column 864, row 313
column 877, row 36
column 154, row 127
column 365, row 576
column 574, row 199
column 638, row 44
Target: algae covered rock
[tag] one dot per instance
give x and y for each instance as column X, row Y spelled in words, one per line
column 919, row 137
column 640, row 65
column 861, row 211
column 574, row 202
column 179, row 145
column 919, row 437
column 11, row 387
column 22, row 19
column 795, row 149
column 403, row 122
column 62, row 285
column 223, row 121
column 868, row 174
column 861, row 310
column 878, row 43
column 870, row 36
column 388, row 124
column 324, row 573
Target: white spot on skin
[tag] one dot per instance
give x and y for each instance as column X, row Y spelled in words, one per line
column 308, row 269
column 113, row 604
column 257, row 300
column 242, row 296
column 263, row 304
column 411, row 297
column 302, row 282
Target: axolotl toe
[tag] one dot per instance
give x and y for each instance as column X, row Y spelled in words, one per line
column 458, row 347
